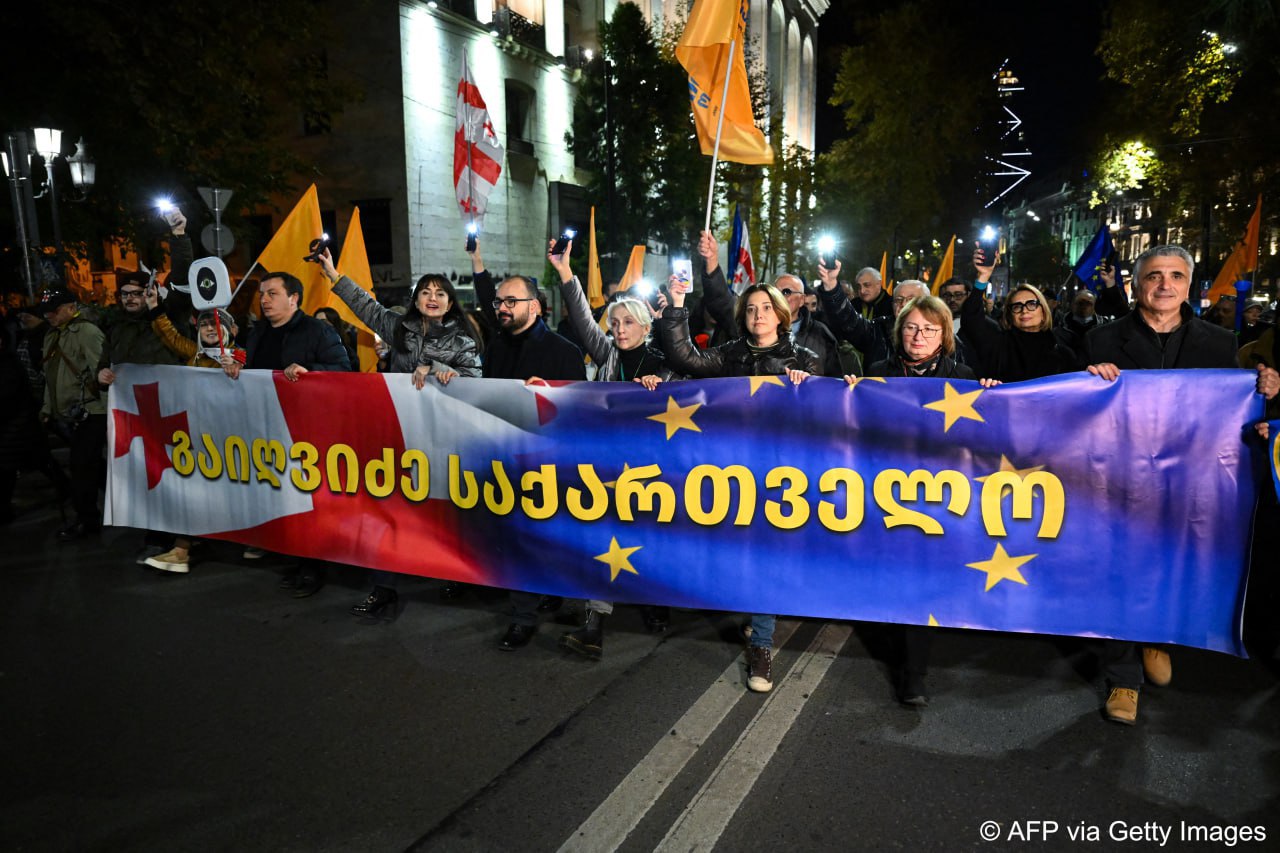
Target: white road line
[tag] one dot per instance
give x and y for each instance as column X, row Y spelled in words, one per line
column 709, row 812
column 620, row 813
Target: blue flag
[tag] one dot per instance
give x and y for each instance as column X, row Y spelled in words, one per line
column 735, row 247
column 1089, row 268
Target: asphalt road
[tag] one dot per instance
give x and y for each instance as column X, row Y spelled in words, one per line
column 152, row 712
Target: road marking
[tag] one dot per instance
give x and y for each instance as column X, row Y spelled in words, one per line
column 620, row 813
column 704, row 820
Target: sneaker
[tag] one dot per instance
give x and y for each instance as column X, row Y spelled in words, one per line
column 1156, row 666
column 169, row 561
column 254, row 553
column 146, row 552
column 759, row 669
column 1122, row 706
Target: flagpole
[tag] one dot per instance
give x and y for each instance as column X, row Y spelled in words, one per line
column 243, row 279
column 471, row 175
column 715, row 152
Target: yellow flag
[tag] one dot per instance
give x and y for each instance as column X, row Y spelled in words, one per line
column 353, row 262
column 595, row 282
column 291, row 243
column 947, row 265
column 703, row 50
column 635, row 269
column 1243, row 259
column 884, row 273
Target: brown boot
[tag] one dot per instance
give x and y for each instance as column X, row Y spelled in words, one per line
column 1156, row 666
column 1122, row 706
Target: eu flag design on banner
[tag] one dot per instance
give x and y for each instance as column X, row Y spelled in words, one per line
column 1089, row 268
column 917, row 501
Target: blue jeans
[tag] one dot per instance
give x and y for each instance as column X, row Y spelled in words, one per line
column 762, row 630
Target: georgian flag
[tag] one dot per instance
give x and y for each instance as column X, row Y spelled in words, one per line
column 477, row 155
column 742, row 272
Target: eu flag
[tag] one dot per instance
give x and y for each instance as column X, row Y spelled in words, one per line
column 1088, row 268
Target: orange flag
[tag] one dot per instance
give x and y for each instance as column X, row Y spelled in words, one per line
column 945, row 268
column 1243, row 258
column 635, row 268
column 353, row 262
column 704, row 51
column 291, row 243
column 595, row 282
column 884, row 273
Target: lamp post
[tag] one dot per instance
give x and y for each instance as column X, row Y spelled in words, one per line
column 14, row 158
column 49, row 146
column 83, row 171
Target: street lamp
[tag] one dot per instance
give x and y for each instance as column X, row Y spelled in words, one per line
column 83, row 173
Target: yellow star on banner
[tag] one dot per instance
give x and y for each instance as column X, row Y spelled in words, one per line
column 933, row 623
column 758, row 382
column 858, row 379
column 1006, row 465
column 955, row 406
column 1001, row 567
column 613, row 484
column 677, row 417
column 616, row 558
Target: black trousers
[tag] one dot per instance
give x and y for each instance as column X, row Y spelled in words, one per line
column 88, row 468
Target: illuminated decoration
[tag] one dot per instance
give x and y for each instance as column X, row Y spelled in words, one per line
column 1011, row 136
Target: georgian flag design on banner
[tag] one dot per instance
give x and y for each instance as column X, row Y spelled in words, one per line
column 477, row 155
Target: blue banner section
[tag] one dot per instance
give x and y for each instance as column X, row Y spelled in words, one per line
column 1067, row 505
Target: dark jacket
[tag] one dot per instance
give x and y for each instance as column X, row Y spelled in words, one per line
column 1130, row 344
column 719, row 303
column 537, row 351
column 870, row 337
column 946, row 368
column 131, row 340
column 312, row 343
column 19, row 428
column 601, row 347
column 1012, row 355
column 1265, row 351
column 443, row 346
column 813, row 335
column 735, row 358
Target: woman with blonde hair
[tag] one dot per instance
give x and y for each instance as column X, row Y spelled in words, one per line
column 1027, row 348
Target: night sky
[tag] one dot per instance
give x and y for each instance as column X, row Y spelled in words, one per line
column 1050, row 46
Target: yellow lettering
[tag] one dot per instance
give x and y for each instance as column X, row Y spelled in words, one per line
column 543, row 479
column 342, row 453
column 721, row 494
column 499, row 496
column 380, row 474
column 599, row 496
column 183, row 460
column 262, row 465
column 793, row 483
column 909, row 486
column 1053, row 512
column 462, row 485
column 416, row 481
column 236, row 452
column 306, row 477
column 854, row 500
column 631, row 487
column 209, row 460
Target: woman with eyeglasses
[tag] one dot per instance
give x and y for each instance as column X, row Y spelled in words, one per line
column 924, row 346
column 432, row 339
column 763, row 348
column 1026, row 348
column 624, row 355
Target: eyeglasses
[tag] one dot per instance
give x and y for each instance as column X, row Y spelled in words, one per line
column 510, row 301
column 926, row 332
column 786, row 291
column 131, row 294
column 1020, row 307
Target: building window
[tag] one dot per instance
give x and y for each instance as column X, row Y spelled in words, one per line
column 520, row 117
column 522, row 20
column 375, row 222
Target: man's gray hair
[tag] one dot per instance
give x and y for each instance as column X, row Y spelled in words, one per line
column 865, row 270
column 1163, row 252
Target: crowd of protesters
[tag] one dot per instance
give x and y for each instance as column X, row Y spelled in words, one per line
column 58, row 362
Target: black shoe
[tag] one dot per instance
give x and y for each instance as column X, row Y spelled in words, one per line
column 588, row 640
column 307, row 585
column 517, row 636
column 147, row 551
column 656, row 619
column 453, row 590
column 550, row 604
column 289, row 582
column 78, row 530
column 382, row 603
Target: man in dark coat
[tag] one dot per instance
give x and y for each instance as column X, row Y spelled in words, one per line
column 523, row 348
column 1161, row 333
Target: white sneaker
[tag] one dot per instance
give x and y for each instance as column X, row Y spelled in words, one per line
column 254, row 553
column 169, row 562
